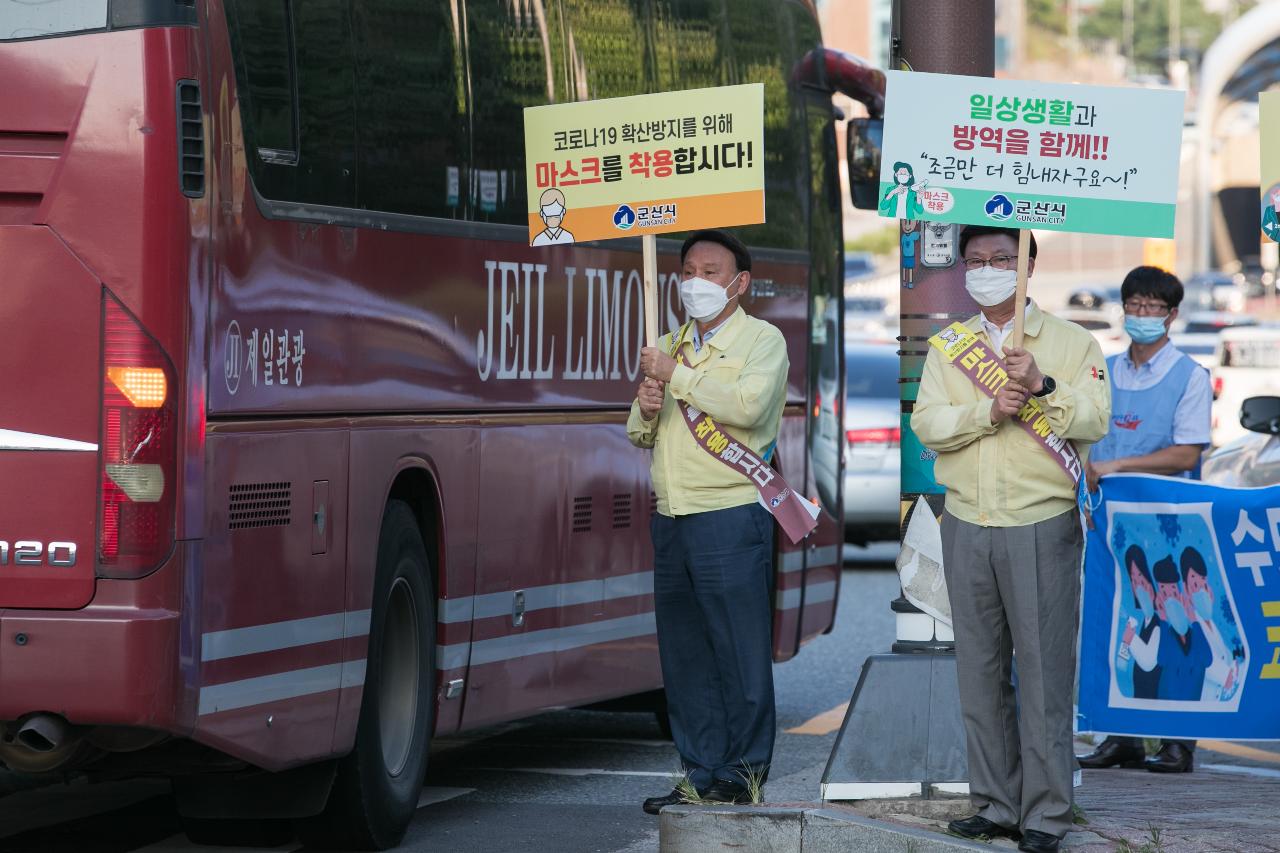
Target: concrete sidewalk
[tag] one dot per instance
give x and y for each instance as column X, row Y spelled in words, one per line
column 1208, row 811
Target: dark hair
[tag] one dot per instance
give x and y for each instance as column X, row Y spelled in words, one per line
column 1193, row 562
column 911, row 173
column 1165, row 571
column 971, row 231
column 1135, row 557
column 721, row 238
column 1154, row 282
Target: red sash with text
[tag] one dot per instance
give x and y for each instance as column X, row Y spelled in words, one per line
column 793, row 513
column 985, row 369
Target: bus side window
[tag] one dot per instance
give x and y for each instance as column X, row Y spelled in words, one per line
column 262, row 39
column 412, row 116
column 515, row 61
column 293, row 61
column 326, row 103
column 759, row 41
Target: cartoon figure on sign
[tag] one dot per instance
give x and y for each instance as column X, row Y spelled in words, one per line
column 910, row 237
column 1223, row 675
column 552, row 209
column 903, row 199
column 1271, row 213
column 1184, row 652
column 1142, row 638
column 1177, row 636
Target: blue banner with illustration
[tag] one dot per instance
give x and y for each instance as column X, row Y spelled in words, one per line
column 1180, row 634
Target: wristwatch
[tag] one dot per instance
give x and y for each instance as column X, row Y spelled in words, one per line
column 1047, row 387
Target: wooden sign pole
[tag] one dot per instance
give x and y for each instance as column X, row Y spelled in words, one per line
column 1020, row 294
column 649, row 243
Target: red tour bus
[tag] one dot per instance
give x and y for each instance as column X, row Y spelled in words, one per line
column 306, row 454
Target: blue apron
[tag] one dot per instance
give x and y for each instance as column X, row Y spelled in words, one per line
column 1142, row 421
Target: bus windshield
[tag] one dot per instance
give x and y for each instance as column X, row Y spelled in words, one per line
column 23, row 19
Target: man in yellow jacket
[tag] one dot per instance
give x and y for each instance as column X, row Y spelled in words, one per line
column 712, row 539
column 1012, row 540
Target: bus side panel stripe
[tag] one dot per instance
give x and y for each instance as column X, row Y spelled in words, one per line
column 550, row 640
column 273, row 636
column 273, row 688
column 467, row 608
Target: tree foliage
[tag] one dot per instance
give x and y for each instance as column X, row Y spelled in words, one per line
column 1105, row 22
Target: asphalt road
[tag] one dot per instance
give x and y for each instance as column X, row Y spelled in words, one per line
column 568, row 781
column 564, row 782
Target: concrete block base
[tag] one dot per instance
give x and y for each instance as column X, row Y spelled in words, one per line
column 902, row 735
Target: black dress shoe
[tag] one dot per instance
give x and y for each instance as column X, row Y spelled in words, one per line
column 653, row 805
column 979, row 827
column 1110, row 753
column 724, row 791
column 1035, row 841
column 1172, row 758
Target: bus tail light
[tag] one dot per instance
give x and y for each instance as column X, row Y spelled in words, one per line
column 139, row 450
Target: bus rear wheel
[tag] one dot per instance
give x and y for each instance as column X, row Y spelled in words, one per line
column 376, row 791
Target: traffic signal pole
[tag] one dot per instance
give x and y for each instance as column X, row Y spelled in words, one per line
column 903, row 735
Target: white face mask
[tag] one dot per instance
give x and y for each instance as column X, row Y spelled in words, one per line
column 903, row 177
column 552, row 211
column 989, row 286
column 704, row 300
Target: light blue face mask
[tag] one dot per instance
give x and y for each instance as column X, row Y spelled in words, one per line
column 1145, row 604
column 1176, row 615
column 1203, row 604
column 1144, row 330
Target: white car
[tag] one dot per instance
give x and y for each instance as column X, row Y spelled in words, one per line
column 1246, row 364
column 1253, row 459
column 1197, row 333
column 1106, row 325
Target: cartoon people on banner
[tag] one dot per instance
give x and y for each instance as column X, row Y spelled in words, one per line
column 1177, row 635
column 902, row 201
column 551, row 205
column 1271, row 213
column 910, row 241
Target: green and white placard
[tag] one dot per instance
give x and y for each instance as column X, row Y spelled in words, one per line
column 1026, row 154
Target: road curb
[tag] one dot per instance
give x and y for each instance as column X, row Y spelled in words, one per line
column 764, row 829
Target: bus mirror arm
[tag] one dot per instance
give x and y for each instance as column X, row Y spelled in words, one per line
column 837, row 71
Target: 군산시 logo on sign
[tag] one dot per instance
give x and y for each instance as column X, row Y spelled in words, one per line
column 998, row 207
column 656, row 215
column 624, row 218
column 1041, row 212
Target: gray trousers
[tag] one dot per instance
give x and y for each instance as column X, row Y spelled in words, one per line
column 1017, row 588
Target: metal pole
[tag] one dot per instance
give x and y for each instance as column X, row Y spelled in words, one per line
column 948, row 36
column 944, row 37
column 903, row 731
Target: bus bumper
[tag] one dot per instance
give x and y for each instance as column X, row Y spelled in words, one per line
column 120, row 661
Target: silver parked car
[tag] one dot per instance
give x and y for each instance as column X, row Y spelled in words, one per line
column 872, row 423
column 1253, row 459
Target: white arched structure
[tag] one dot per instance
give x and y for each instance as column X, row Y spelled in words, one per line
column 1237, row 43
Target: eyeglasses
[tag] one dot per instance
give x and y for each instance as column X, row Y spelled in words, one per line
column 1149, row 309
column 999, row 262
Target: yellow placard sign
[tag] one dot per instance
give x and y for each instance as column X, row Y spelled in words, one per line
column 647, row 164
